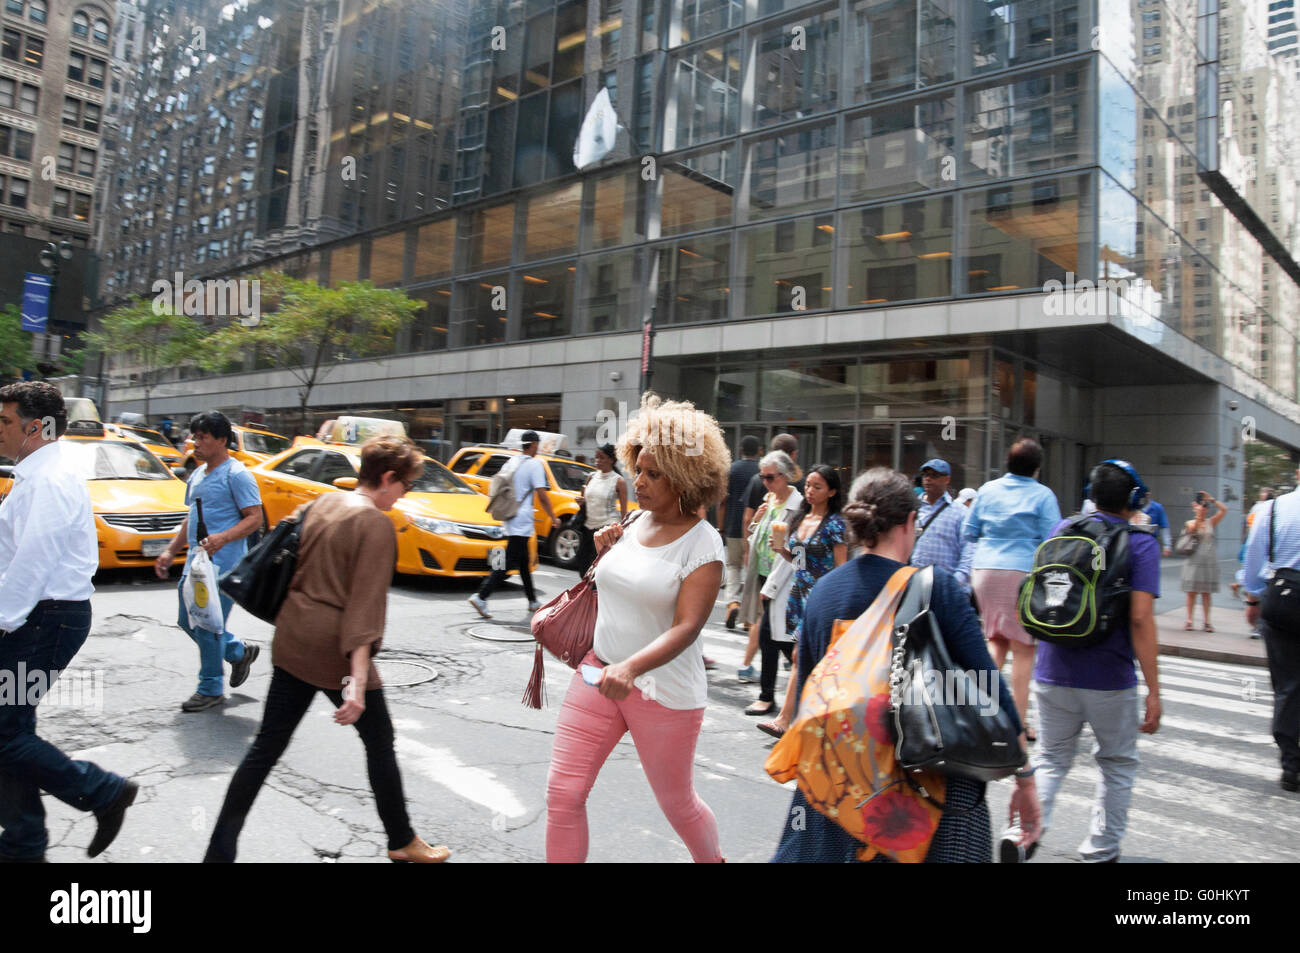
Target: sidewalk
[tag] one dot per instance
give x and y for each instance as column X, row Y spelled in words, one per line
column 1229, row 642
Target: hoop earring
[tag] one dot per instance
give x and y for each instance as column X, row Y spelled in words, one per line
column 679, row 506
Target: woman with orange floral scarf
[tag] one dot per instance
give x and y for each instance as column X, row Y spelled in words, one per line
column 881, row 515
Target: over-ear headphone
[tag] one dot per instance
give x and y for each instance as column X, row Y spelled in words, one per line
column 1140, row 491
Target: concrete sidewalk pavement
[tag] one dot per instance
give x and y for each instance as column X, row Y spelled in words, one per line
column 1229, row 642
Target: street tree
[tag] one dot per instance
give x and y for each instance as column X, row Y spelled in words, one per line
column 306, row 329
column 148, row 340
column 15, row 343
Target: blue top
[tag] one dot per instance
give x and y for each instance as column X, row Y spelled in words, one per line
column 941, row 542
column 1286, row 542
column 742, row 471
column 529, row 475
column 1160, row 520
column 224, row 492
column 1009, row 518
column 1108, row 665
column 845, row 593
column 814, row 557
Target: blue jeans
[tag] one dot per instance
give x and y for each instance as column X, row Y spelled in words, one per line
column 213, row 647
column 47, row 642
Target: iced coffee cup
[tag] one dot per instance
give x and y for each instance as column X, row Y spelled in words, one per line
column 779, row 530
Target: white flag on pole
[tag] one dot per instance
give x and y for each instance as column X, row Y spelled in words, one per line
column 599, row 128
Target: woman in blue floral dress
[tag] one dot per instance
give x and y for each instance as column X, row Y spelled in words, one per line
column 815, row 546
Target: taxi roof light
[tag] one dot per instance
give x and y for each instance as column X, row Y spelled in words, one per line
column 354, row 431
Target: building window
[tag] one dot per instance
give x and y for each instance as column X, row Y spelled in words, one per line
column 77, row 67
column 80, row 25
column 80, row 206
column 15, row 143
column 18, row 193
column 67, row 157
column 36, row 12
column 62, row 203
column 100, row 34
column 86, row 165
column 14, row 7
column 7, row 87
column 29, row 96
column 899, row 252
column 12, row 47
column 95, row 70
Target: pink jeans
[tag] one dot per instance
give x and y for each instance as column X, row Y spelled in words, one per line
column 590, row 726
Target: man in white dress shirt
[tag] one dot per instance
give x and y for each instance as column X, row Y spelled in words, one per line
column 48, row 552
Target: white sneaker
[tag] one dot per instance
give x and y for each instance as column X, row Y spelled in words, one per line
column 534, row 606
column 479, row 606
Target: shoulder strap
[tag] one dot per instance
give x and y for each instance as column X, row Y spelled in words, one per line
column 916, row 598
column 1272, row 521
column 933, row 517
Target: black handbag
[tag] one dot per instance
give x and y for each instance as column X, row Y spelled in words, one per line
column 260, row 581
column 943, row 720
column 1279, row 604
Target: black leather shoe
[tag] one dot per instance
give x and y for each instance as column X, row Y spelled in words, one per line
column 1290, row 781
column 239, row 670
column 110, row 820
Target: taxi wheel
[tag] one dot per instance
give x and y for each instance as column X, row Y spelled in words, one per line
column 566, row 545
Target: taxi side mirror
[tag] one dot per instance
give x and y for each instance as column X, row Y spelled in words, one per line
column 181, row 473
column 346, row 483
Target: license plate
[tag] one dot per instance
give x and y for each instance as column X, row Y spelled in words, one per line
column 153, row 547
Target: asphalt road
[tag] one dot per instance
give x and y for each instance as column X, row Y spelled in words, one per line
column 474, row 760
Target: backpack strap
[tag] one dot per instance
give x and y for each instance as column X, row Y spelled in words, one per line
column 1272, row 522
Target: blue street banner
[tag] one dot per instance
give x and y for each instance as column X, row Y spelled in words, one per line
column 36, row 302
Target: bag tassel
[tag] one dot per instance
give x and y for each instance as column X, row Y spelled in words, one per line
column 535, row 693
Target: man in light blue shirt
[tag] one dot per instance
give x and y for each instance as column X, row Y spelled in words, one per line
column 939, row 523
column 232, row 509
column 528, row 479
column 1283, row 516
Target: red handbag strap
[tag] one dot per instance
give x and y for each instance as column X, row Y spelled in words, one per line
column 627, row 521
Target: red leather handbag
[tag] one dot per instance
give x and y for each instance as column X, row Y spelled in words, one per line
column 566, row 626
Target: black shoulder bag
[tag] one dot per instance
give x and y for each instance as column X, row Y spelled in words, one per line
column 943, row 719
column 260, row 581
column 1279, row 605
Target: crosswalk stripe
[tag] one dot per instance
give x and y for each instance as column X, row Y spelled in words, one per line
column 1217, row 703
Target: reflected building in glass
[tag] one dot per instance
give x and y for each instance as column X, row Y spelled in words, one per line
column 876, row 224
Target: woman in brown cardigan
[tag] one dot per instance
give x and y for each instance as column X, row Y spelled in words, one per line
column 329, row 628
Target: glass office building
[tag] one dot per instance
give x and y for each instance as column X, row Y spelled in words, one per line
column 877, row 224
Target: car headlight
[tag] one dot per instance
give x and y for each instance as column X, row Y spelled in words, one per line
column 442, row 527
column 495, row 532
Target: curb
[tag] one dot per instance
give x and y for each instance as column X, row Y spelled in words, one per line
column 1211, row 655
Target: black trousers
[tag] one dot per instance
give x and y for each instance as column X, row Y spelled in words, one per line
column 516, row 558
column 586, row 550
column 1284, row 668
column 286, row 702
column 769, row 650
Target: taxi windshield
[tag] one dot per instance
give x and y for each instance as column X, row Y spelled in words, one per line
column 570, row 476
column 104, row 460
column 438, row 479
column 264, row 442
column 152, row 436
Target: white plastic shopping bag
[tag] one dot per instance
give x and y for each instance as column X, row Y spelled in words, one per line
column 202, row 597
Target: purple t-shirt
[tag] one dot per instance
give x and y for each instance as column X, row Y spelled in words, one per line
column 1109, row 665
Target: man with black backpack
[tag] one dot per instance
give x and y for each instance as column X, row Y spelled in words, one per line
column 1271, row 578
column 1090, row 600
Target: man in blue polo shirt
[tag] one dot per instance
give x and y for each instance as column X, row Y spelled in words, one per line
column 1097, row 684
column 939, row 522
column 232, row 508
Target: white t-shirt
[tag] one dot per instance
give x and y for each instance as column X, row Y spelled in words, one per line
column 638, row 588
column 528, row 475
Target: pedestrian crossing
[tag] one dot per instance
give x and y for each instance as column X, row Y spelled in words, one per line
column 1207, row 788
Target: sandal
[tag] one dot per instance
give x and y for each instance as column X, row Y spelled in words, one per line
column 1208, row 627
column 1188, row 626
column 771, row 728
column 769, row 708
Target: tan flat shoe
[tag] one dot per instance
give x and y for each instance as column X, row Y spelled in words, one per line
column 418, row 852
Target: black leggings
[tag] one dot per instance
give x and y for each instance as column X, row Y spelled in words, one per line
column 769, row 650
column 516, row 558
column 287, row 701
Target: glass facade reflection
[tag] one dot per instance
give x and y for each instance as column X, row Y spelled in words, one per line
column 772, row 157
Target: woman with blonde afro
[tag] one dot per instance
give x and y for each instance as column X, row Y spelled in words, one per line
column 657, row 587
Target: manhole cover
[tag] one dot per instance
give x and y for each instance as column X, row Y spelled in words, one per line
column 502, row 633
column 399, row 673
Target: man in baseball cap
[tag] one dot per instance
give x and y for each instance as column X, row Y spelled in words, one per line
column 939, row 522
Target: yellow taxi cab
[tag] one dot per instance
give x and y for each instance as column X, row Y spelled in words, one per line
column 442, row 524
column 138, row 503
column 559, row 541
column 157, row 444
column 251, row 446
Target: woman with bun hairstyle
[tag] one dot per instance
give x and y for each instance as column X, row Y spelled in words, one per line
column 881, row 515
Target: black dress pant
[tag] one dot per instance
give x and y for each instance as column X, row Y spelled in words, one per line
column 516, row 558
column 1284, row 668
column 769, row 650
column 286, row 702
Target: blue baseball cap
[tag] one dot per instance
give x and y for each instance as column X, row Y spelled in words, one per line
column 938, row 466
